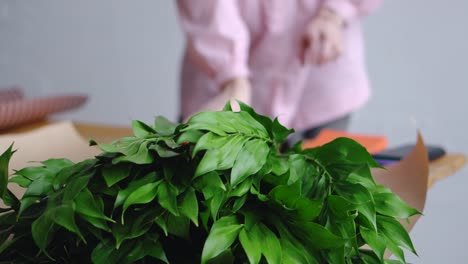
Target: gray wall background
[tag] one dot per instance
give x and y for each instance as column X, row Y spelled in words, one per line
column 125, row 55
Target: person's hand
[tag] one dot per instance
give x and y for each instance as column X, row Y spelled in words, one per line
column 323, row 39
column 235, row 89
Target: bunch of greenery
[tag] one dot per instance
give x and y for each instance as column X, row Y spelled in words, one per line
column 213, row 190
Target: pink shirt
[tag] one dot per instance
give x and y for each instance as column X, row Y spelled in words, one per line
column 261, row 39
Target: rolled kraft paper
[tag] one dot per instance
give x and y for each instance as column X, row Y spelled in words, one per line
column 59, row 140
column 11, row 94
column 408, row 179
column 19, row 112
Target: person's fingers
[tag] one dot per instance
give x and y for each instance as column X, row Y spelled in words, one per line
column 327, row 51
column 315, row 46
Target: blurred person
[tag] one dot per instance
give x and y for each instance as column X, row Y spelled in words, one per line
column 299, row 60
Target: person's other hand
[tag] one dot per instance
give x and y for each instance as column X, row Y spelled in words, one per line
column 235, row 89
column 323, row 38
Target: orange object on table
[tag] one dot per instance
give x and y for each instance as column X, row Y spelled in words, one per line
column 372, row 143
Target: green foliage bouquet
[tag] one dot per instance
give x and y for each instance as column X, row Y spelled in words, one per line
column 213, row 190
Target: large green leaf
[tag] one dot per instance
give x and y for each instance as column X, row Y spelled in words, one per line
column 178, row 225
column 209, row 184
column 222, row 234
column 56, row 165
column 136, row 226
column 141, row 130
column 141, row 195
column 252, row 246
column 189, row 206
column 395, row 232
column 280, row 133
column 4, row 173
column 115, row 173
column 64, row 215
column 223, row 157
column 362, row 198
column 167, row 197
column 374, row 240
column 249, row 160
column 87, row 204
column 141, row 156
column 344, row 151
column 134, row 185
column 163, row 126
column 391, row 205
column 316, row 236
column 271, row 246
column 21, row 181
column 42, row 231
column 293, row 250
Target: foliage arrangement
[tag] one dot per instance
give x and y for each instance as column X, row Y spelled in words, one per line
column 213, row 190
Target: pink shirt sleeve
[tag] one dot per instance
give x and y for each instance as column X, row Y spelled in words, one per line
column 217, row 38
column 350, row 9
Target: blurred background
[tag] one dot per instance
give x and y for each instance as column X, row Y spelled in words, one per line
column 125, row 56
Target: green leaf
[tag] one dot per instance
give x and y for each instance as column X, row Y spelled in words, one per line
column 249, row 160
column 222, row 234
column 141, row 156
column 345, row 150
column 136, row 227
column 96, row 222
column 189, row 206
column 221, row 158
column 64, row 215
column 115, row 173
column 316, row 236
column 251, row 245
column 178, row 225
column 40, row 187
column 4, row 172
column 21, row 181
column 192, row 136
column 106, row 252
column 163, row 126
column 391, row 205
column 42, row 230
column 271, row 246
column 141, row 195
column 287, row 195
column 141, row 130
column 241, row 189
column 26, row 202
column 280, row 133
column 209, row 184
column 336, row 255
column 279, row 166
column 56, row 165
column 239, row 203
column 87, row 204
column 134, row 185
column 341, row 208
column 216, row 202
column 362, row 198
column 395, row 232
column 167, row 197
column 263, row 120
column 164, row 152
column 127, row 146
column 75, row 186
column 293, row 250
column 153, row 248
column 374, row 240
